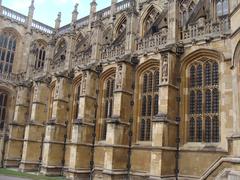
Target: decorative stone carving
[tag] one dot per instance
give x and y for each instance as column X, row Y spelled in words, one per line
column 164, row 72
column 84, row 83
column 119, row 77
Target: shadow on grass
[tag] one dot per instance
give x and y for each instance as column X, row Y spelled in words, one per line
column 13, row 173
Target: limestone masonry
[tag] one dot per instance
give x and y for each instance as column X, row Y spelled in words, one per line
column 143, row 89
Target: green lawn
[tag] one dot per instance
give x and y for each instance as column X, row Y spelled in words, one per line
column 13, row 173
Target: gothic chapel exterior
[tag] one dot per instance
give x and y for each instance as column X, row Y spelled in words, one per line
column 143, row 89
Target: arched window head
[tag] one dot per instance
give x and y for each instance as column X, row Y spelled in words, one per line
column 8, row 45
column 121, row 27
column 39, row 51
column 3, row 108
column 203, row 101
column 77, row 93
column 60, row 52
column 149, row 105
column 148, row 23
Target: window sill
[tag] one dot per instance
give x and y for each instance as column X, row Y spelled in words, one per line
column 143, row 143
column 205, row 147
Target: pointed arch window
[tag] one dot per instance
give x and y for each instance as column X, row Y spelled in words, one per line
column 40, row 56
column 3, row 108
column 204, row 102
column 108, row 100
column 77, row 93
column 222, row 7
column 8, row 45
column 149, row 102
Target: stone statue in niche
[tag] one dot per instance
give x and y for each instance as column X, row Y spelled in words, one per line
column 84, row 83
column 165, row 69
column 33, row 48
column 119, row 77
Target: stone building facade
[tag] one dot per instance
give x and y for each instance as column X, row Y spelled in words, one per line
column 144, row 89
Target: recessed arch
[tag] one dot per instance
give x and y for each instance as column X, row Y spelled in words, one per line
column 148, row 10
column 200, row 82
column 199, row 54
column 146, row 98
column 120, row 25
column 236, row 55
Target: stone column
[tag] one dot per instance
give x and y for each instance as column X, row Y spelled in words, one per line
column 116, row 149
column 164, row 123
column 83, row 128
column 234, row 140
column 132, row 26
column 35, row 129
column 96, row 44
column 16, row 135
column 173, row 18
column 56, row 129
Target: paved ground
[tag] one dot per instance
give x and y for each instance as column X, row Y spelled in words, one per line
column 11, row 178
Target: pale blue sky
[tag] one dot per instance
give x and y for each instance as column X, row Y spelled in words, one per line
column 46, row 10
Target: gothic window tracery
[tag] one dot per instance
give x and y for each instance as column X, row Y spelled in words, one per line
column 51, row 100
column 3, row 108
column 7, row 52
column 186, row 9
column 40, row 56
column 149, row 105
column 203, row 123
column 149, row 23
column 60, row 52
column 108, row 102
column 77, row 93
column 222, row 7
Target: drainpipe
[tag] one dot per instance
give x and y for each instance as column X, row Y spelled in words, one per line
column 64, row 148
column 41, row 152
column 179, row 52
column 99, row 69
column 134, row 61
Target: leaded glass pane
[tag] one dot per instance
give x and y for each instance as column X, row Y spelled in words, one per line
column 192, row 130
column 199, row 75
column 208, row 129
column 215, row 74
column 199, row 102
column 156, row 81
column 148, row 130
column 208, row 74
column 208, row 102
column 215, row 129
column 150, row 82
column 215, row 101
column 145, row 79
column 144, row 106
column 199, row 129
column 142, row 129
column 192, row 102
column 192, row 76
column 155, row 105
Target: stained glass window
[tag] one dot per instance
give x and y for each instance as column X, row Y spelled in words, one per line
column 204, row 102
column 7, row 52
column 3, row 108
column 108, row 100
column 149, row 98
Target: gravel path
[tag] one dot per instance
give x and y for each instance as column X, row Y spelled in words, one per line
column 11, row 178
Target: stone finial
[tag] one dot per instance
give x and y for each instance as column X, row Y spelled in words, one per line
column 58, row 21
column 114, row 1
column 75, row 13
column 30, row 16
column 93, row 7
column 31, row 9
